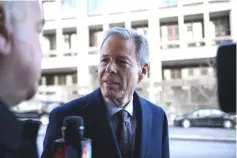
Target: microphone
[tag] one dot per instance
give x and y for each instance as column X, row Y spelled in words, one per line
column 226, row 77
column 72, row 144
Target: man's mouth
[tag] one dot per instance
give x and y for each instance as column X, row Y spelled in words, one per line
column 111, row 82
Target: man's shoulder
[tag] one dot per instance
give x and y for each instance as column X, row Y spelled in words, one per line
column 74, row 105
column 154, row 108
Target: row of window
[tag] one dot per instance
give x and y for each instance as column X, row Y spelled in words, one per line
column 218, row 27
column 59, row 79
column 186, row 73
column 194, row 32
column 69, row 41
column 168, row 74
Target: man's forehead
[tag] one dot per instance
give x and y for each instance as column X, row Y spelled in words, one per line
column 119, row 50
column 35, row 8
column 118, row 55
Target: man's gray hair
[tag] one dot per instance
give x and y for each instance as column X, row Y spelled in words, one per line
column 142, row 47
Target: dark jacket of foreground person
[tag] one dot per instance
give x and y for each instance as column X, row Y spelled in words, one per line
column 17, row 138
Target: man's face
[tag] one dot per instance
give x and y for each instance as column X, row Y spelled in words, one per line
column 118, row 69
column 23, row 63
column 27, row 49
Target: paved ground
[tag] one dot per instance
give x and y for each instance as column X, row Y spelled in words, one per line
column 218, row 134
column 202, row 149
column 183, row 146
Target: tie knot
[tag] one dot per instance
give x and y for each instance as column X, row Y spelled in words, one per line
column 123, row 115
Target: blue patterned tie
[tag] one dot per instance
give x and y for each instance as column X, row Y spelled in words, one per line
column 124, row 134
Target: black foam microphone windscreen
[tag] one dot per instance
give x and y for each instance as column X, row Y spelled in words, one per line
column 73, row 121
column 73, row 144
column 226, row 77
column 74, row 129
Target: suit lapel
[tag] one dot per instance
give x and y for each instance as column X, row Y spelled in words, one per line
column 144, row 122
column 101, row 131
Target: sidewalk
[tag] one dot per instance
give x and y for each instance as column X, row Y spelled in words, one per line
column 201, row 138
column 202, row 134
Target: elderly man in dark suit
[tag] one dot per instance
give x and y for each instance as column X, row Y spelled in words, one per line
column 120, row 123
column 20, row 65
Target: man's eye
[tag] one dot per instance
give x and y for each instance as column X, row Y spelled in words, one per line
column 104, row 60
column 122, row 62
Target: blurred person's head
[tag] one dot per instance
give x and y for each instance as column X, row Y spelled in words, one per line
column 20, row 50
column 123, row 64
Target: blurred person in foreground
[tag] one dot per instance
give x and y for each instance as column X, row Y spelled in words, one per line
column 120, row 123
column 20, row 65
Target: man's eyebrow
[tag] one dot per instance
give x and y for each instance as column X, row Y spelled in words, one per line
column 104, row 56
column 119, row 57
column 124, row 58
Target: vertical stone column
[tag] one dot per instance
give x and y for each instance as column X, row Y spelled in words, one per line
column 155, row 53
column 59, row 30
column 182, row 42
column 83, row 76
column 207, row 26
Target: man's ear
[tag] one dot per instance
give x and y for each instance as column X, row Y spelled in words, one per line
column 5, row 45
column 144, row 71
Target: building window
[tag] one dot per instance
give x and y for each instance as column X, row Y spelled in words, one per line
column 190, row 28
column 176, row 74
column 190, row 71
column 62, row 79
column 70, row 40
column 74, row 78
column 194, row 34
column 170, row 33
column 96, row 38
column 194, row 31
column 49, row 80
column 67, row 42
column 143, row 30
column 204, row 71
column 222, row 26
column 176, row 32
column 173, row 32
column 50, row 42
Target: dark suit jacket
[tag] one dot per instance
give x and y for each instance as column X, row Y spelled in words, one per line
column 152, row 139
column 17, row 138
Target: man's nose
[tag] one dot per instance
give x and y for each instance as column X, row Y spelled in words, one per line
column 111, row 67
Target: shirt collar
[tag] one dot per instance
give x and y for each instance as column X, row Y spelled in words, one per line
column 112, row 108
